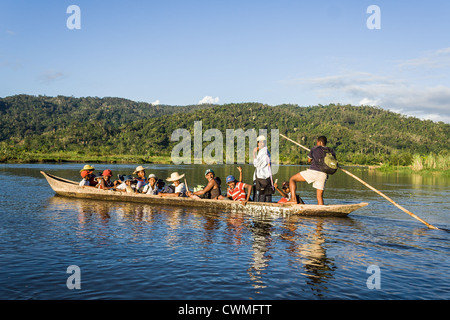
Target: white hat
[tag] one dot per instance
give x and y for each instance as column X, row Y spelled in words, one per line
column 261, row 138
column 140, row 168
column 174, row 176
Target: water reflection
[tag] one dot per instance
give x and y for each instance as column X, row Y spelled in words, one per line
column 261, row 254
column 310, row 252
column 180, row 227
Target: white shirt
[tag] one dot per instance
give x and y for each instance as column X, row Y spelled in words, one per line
column 180, row 189
column 149, row 190
column 262, row 164
column 122, row 186
column 84, row 182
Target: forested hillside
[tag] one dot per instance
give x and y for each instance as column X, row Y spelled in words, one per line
column 108, row 126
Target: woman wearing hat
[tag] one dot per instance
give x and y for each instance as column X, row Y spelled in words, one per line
column 180, row 188
column 141, row 180
column 211, row 191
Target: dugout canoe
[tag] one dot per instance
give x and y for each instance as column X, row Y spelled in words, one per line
column 68, row 188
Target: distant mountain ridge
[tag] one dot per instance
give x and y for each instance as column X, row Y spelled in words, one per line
column 359, row 134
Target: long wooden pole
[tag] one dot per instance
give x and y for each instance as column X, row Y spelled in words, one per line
column 372, row 188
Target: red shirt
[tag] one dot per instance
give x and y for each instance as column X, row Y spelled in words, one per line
column 238, row 193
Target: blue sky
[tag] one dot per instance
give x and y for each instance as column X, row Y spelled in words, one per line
column 273, row 52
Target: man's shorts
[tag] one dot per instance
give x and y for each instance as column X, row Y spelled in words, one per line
column 317, row 178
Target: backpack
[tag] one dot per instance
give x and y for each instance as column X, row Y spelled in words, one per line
column 329, row 163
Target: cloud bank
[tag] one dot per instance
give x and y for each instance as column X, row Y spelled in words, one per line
column 415, row 87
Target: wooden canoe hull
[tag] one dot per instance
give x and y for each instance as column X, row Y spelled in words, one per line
column 67, row 188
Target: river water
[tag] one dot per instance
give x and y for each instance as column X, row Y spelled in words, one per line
column 138, row 251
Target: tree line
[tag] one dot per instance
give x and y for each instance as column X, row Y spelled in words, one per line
column 359, row 134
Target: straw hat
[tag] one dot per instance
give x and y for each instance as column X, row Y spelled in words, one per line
column 140, row 168
column 88, row 168
column 261, row 138
column 174, row 176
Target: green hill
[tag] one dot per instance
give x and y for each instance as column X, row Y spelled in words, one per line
column 103, row 128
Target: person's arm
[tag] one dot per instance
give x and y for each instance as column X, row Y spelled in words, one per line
column 249, row 192
column 169, row 194
column 208, row 187
column 284, row 194
column 240, row 173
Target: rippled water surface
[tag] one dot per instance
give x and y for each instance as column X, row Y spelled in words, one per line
column 137, row 251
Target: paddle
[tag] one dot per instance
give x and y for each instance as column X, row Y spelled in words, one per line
column 185, row 183
column 372, row 188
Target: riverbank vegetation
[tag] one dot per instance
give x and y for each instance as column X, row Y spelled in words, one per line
column 41, row 128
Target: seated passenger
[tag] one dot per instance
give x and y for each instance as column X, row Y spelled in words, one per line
column 104, row 180
column 85, row 175
column 286, row 193
column 90, row 176
column 127, row 185
column 141, row 180
column 212, row 189
column 179, row 187
column 236, row 190
column 151, row 187
column 160, row 185
column 108, row 184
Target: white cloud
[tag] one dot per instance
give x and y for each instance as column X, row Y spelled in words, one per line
column 156, row 102
column 209, row 100
column 417, row 87
column 430, row 60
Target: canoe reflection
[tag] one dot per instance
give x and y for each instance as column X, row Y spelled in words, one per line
column 297, row 241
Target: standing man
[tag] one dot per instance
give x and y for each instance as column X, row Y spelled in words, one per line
column 315, row 174
column 263, row 173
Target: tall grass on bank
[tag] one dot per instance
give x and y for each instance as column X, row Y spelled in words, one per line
column 431, row 161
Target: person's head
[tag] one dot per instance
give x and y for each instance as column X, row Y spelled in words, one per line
column 285, row 186
column 209, row 174
column 322, row 141
column 107, row 174
column 128, row 180
column 160, row 183
column 85, row 174
column 152, row 179
column 231, row 182
column 175, row 177
column 261, row 141
column 140, row 171
column 88, row 168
